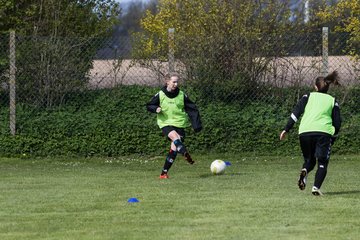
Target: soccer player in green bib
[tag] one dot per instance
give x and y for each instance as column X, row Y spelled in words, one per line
column 174, row 109
column 319, row 126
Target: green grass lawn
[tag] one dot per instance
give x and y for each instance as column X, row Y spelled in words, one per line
column 257, row 198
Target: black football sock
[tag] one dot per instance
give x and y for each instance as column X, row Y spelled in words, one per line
column 170, row 158
column 320, row 173
column 180, row 147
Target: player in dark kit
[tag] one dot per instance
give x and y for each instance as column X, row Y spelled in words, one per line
column 174, row 108
column 318, row 129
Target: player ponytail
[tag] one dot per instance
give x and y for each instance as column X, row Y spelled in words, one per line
column 323, row 83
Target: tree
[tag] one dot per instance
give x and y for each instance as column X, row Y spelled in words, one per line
column 346, row 15
column 66, row 18
column 13, row 16
column 224, row 43
column 57, row 41
column 15, row 13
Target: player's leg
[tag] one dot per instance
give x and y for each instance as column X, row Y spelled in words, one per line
column 323, row 149
column 170, row 158
column 177, row 135
column 307, row 145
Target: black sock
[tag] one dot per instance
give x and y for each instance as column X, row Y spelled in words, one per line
column 170, row 158
column 320, row 174
column 180, row 147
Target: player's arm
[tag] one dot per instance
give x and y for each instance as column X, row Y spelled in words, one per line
column 336, row 121
column 336, row 118
column 296, row 113
column 154, row 104
column 193, row 113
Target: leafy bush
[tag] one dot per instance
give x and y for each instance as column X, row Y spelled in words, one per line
column 115, row 122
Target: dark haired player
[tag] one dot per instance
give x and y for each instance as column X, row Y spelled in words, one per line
column 318, row 129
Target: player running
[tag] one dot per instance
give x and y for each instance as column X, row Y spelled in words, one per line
column 319, row 127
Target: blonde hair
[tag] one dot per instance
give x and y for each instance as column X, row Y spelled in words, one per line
column 168, row 76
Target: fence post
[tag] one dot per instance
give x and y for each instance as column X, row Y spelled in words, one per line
column 171, row 33
column 325, row 51
column 12, row 75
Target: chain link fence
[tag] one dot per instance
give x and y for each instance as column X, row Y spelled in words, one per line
column 44, row 71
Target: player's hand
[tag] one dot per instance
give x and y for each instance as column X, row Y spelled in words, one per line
column 158, row 110
column 282, row 135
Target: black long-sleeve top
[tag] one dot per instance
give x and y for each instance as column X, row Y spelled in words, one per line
column 300, row 108
column 190, row 107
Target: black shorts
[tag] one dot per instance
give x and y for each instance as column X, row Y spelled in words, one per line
column 167, row 129
column 315, row 145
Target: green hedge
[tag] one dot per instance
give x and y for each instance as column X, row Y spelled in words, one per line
column 115, row 122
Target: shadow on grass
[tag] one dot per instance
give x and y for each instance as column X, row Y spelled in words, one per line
column 343, row 192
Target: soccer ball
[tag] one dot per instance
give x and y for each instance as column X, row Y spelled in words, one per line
column 218, row 167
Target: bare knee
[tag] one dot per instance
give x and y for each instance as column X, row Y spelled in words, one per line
column 173, row 135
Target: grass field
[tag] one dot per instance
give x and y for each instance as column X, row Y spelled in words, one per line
column 257, row 198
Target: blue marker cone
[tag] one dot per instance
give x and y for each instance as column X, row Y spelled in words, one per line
column 132, row 200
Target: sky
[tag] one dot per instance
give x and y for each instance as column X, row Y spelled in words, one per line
column 127, row 1
column 124, row 3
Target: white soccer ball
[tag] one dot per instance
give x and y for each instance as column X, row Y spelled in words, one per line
column 218, row 167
